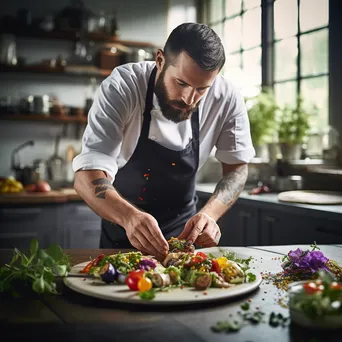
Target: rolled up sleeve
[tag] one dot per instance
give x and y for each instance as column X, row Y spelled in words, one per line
column 234, row 144
column 102, row 137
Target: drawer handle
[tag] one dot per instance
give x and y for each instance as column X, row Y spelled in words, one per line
column 245, row 214
column 328, row 231
column 270, row 219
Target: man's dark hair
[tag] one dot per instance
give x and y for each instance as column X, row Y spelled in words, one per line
column 200, row 42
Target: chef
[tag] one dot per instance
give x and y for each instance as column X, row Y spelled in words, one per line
column 150, row 129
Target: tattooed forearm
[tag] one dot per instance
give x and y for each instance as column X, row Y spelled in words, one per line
column 230, row 186
column 101, row 186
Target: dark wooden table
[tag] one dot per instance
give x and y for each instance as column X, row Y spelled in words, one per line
column 76, row 317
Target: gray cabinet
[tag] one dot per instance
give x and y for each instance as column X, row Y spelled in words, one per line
column 82, row 227
column 71, row 225
column 239, row 226
column 280, row 228
column 251, row 222
column 20, row 224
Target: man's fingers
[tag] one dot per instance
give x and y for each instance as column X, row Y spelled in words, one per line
column 156, row 238
column 146, row 245
column 187, row 230
column 198, row 228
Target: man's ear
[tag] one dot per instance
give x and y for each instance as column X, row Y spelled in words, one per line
column 160, row 59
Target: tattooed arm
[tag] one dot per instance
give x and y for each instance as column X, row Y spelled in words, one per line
column 202, row 228
column 97, row 191
column 141, row 228
column 227, row 190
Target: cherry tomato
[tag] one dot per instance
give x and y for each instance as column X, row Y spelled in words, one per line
column 144, row 284
column 204, row 256
column 335, row 286
column 310, row 288
column 133, row 279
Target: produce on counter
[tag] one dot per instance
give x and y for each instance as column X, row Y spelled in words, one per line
column 191, row 269
column 10, row 185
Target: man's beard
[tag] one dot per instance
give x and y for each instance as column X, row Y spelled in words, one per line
column 171, row 113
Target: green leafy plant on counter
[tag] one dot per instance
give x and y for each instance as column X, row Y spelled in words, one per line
column 262, row 110
column 294, row 123
column 35, row 272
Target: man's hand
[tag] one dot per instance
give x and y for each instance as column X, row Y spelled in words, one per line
column 144, row 234
column 202, row 230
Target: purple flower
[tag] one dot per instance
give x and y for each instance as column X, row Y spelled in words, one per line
column 295, row 255
column 308, row 261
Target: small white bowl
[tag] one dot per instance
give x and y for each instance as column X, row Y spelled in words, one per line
column 328, row 321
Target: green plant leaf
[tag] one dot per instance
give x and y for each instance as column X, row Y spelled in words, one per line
column 34, row 246
column 55, row 252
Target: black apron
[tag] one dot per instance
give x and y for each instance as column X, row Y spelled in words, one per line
column 157, row 180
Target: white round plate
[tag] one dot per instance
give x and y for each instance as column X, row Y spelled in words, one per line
column 121, row 293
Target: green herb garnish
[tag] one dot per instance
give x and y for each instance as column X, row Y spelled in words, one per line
column 35, row 272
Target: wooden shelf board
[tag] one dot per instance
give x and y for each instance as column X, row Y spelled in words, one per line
column 41, row 69
column 42, row 117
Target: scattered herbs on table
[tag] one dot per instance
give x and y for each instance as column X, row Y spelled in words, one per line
column 249, row 317
column 35, row 272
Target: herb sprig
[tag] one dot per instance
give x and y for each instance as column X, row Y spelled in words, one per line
column 35, row 272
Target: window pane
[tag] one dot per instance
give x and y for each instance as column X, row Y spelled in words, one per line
column 248, row 4
column 233, row 7
column 285, row 18
column 232, row 34
column 314, row 53
column 216, row 10
column 313, row 14
column 251, row 28
column 252, row 67
column 286, row 52
column 315, row 92
column 285, row 93
column 233, row 69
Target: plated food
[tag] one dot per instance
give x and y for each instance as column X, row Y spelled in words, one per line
column 317, row 303
column 183, row 268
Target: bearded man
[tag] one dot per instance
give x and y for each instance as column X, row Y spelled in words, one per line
column 150, row 129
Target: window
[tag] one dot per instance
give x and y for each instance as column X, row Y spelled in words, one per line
column 301, row 55
column 238, row 23
column 297, row 42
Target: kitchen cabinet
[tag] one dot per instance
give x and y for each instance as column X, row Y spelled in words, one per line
column 255, row 221
column 278, row 228
column 20, row 224
column 71, row 225
column 82, row 227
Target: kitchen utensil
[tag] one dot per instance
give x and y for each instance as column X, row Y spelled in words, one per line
column 286, row 183
column 24, row 174
column 56, row 164
column 311, row 197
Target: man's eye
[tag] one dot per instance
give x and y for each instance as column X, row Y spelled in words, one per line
column 182, row 84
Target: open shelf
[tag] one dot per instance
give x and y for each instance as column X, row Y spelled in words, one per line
column 32, row 32
column 43, row 117
column 82, row 71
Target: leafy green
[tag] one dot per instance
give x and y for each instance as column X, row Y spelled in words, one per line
column 35, row 272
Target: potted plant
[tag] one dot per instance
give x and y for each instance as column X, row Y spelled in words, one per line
column 293, row 128
column 262, row 110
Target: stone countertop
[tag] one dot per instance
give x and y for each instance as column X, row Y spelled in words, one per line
column 272, row 198
column 70, row 195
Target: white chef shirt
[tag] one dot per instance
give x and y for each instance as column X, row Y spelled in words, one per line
column 115, row 122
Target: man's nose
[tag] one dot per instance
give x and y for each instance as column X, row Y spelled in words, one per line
column 189, row 96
